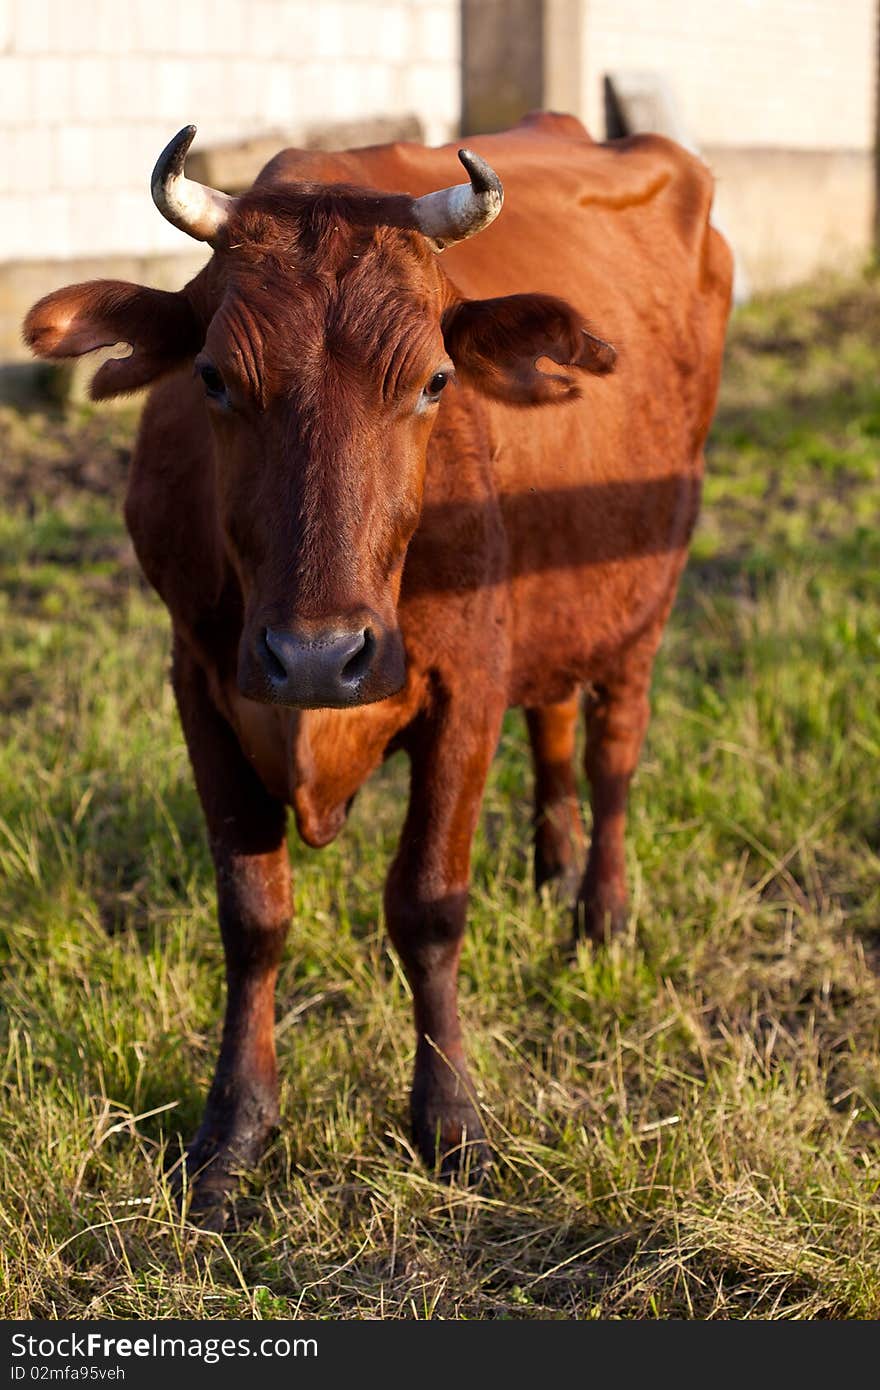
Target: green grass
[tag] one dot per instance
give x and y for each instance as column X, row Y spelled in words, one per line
column 685, row 1125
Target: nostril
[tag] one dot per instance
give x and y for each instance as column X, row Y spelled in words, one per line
column 315, row 669
column 275, row 667
column 361, row 659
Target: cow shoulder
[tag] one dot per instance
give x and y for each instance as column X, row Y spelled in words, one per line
column 679, row 182
column 558, row 123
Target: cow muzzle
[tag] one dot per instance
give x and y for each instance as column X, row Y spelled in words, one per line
column 331, row 668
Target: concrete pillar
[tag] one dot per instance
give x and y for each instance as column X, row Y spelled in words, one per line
column 518, row 56
column 502, row 62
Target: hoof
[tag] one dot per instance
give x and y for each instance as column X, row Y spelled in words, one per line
column 204, row 1186
column 599, row 919
column 556, row 865
column 446, row 1127
column 454, row 1148
column 560, row 883
column 205, row 1180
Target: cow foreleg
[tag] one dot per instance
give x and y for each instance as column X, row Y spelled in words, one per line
column 559, row 831
column 246, row 828
column 617, row 717
column 425, row 907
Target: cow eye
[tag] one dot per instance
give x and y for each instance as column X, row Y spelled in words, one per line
column 436, row 384
column 215, row 386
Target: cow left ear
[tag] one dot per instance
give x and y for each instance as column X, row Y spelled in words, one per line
column 161, row 328
column 496, row 345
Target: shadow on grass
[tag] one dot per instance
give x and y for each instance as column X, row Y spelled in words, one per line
column 508, row 1260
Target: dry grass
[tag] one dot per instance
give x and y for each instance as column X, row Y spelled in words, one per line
column 686, row 1125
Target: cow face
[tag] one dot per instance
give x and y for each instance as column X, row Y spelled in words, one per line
column 322, row 337
column 322, row 369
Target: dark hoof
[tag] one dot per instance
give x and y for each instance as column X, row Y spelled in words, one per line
column 599, row 920
column 560, row 883
column 446, row 1127
column 203, row 1186
column 210, row 1206
column 558, row 863
column 205, row 1180
column 452, row 1142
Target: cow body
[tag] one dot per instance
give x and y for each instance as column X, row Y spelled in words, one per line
column 548, row 546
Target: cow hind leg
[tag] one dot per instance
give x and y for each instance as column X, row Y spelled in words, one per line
column 558, row 828
column 425, row 908
column 617, row 713
column 246, row 829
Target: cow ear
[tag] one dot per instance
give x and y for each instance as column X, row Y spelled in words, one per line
column 496, row 345
column 160, row 327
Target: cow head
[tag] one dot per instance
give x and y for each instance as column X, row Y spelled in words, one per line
column 322, row 335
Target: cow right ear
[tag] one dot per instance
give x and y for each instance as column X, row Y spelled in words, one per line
column 496, row 345
column 160, row 326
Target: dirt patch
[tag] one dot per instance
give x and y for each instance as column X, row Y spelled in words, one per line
column 48, row 457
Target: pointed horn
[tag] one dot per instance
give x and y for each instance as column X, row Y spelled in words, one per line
column 452, row 214
column 199, row 211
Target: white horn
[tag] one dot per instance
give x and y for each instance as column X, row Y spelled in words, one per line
column 199, row 211
column 452, row 214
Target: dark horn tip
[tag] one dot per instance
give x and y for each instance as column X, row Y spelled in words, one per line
column 172, row 158
column 482, row 176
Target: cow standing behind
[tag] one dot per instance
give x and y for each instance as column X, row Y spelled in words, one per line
column 359, row 556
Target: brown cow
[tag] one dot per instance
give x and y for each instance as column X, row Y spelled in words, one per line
column 359, row 556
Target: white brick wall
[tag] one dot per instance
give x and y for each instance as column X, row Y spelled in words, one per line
column 795, row 74
column 91, row 91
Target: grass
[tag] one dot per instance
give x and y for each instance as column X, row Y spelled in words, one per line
column 686, row 1125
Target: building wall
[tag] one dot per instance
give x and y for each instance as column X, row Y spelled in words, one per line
column 793, row 74
column 793, row 214
column 92, row 90
column 779, row 95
